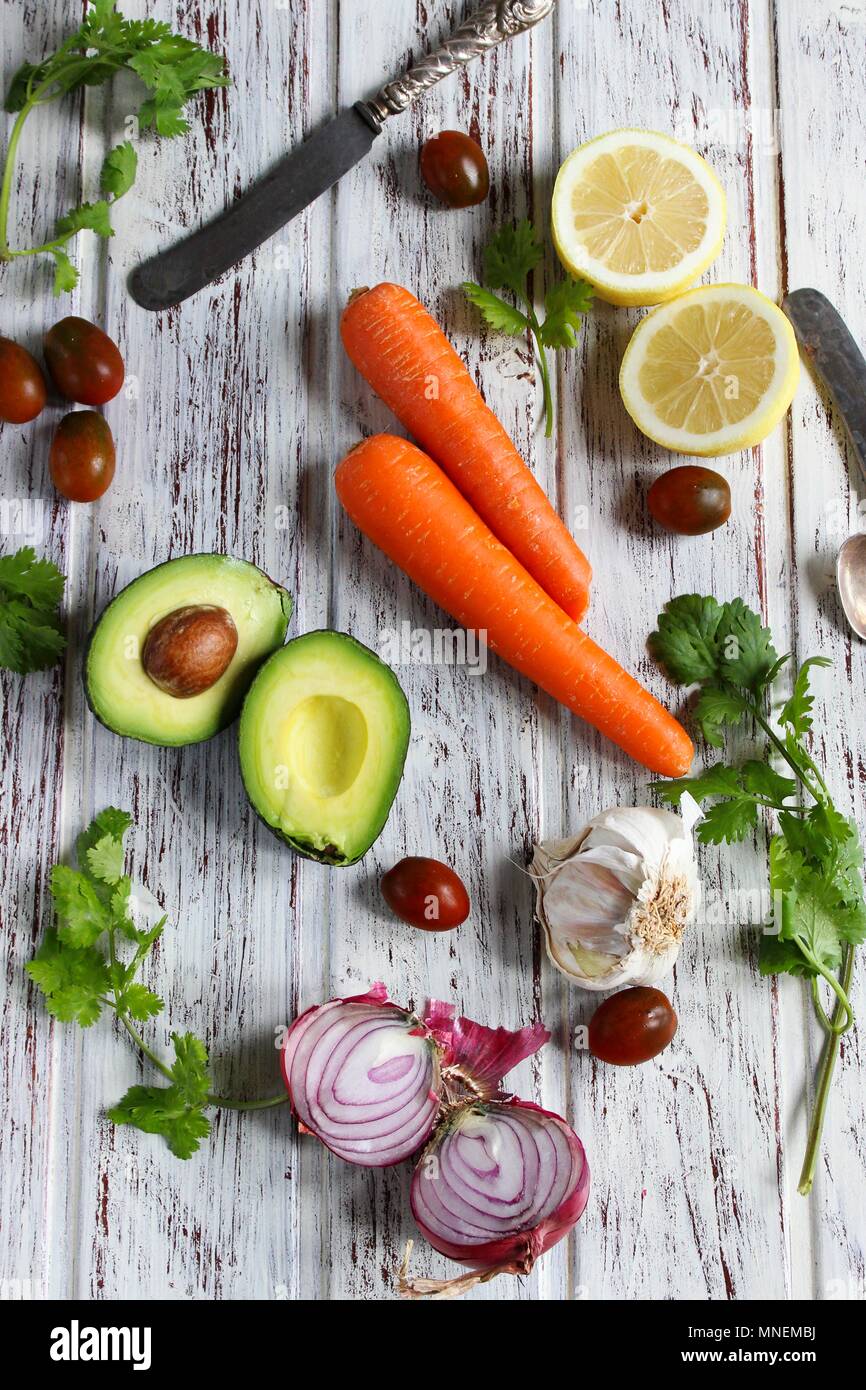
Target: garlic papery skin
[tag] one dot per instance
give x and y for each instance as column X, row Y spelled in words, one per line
column 615, row 900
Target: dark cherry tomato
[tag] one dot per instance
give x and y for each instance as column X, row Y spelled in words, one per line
column 82, row 456
column 84, row 363
column 426, row 894
column 23, row 392
column 632, row 1026
column 690, row 500
column 454, row 168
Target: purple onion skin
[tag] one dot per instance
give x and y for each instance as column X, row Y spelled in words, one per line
column 517, row 1254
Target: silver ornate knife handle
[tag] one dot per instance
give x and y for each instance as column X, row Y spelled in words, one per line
column 488, row 26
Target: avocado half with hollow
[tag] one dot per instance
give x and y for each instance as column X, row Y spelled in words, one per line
column 322, row 741
column 253, row 610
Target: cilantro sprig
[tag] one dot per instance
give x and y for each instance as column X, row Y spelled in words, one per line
column 509, row 260
column 88, row 963
column 30, row 591
column 171, row 67
column 815, row 854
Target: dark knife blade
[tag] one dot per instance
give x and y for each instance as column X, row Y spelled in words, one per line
column 296, row 181
column 827, row 343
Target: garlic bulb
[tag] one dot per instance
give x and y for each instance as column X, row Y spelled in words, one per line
column 615, row 900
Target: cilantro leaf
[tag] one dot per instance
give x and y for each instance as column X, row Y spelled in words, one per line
column 30, row 590
column 796, row 713
column 89, row 217
column 27, row 643
column 496, row 311
column 564, row 305
column 848, row 860
column 162, row 1110
column 715, row 781
column 81, row 916
column 38, row 581
column 141, row 1002
column 716, row 707
column 728, row 821
column 510, row 257
column 190, row 1068
column 73, row 980
column 700, row 640
column 164, row 116
column 779, row 956
column 175, row 1111
column 816, row 912
column 107, row 822
column 23, row 81
column 764, row 780
column 66, row 276
column 746, row 652
column 105, row 859
column 817, row 923
column 685, row 642
column 118, row 170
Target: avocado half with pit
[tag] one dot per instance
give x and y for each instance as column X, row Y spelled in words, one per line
column 202, row 624
column 322, row 739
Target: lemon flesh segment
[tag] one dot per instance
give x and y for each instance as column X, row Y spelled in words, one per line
column 638, row 215
column 712, row 372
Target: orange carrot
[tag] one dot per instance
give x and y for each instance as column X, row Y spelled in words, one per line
column 409, row 362
column 406, row 505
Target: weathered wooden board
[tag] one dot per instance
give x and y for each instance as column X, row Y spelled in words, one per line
column 238, row 405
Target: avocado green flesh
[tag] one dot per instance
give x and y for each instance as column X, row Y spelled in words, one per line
column 119, row 691
column 323, row 738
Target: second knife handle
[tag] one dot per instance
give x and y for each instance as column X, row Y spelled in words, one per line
column 488, row 26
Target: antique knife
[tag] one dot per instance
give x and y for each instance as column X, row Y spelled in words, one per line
column 297, row 180
column 827, row 344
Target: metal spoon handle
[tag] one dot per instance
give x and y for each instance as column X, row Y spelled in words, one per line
column 827, row 343
column 483, row 30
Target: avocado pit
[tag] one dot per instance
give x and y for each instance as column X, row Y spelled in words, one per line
column 187, row 651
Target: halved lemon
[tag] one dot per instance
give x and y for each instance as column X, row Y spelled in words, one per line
column 638, row 215
column 712, row 372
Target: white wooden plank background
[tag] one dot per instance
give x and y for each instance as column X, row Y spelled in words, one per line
column 238, row 406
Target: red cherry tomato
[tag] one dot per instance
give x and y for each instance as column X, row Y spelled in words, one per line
column 84, row 363
column 632, row 1026
column 82, row 456
column 454, row 168
column 426, row 894
column 23, row 392
column 690, row 500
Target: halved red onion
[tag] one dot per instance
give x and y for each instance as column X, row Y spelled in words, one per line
column 363, row 1076
column 500, row 1183
column 501, row 1180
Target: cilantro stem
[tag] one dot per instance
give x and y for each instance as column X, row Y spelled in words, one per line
column 226, row 1104
column 148, row 1051
column 825, row 1077
column 8, row 175
column 841, row 993
column 542, row 363
column 223, row 1102
column 795, row 767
